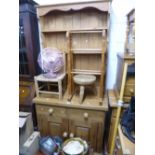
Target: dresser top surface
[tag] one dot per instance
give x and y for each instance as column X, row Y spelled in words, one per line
column 92, row 104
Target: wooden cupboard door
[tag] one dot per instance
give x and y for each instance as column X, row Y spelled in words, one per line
column 58, row 127
column 82, row 132
column 112, row 124
column 52, row 120
column 100, row 135
column 85, row 131
column 42, row 124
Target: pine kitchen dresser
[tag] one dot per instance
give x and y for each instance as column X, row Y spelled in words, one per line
column 80, row 30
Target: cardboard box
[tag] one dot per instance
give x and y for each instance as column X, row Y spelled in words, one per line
column 31, row 146
column 25, row 127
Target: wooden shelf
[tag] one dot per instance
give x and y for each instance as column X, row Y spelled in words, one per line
column 86, row 51
column 48, row 92
column 79, row 71
column 95, row 30
column 53, row 31
column 86, row 31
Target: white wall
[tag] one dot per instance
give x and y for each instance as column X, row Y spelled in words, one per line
column 117, row 35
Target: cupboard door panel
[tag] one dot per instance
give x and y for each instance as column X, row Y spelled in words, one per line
column 100, row 132
column 54, row 129
column 82, row 132
column 42, row 124
column 57, row 128
column 85, row 131
column 93, row 135
column 111, row 132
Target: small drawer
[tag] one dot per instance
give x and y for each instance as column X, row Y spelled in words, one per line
column 51, row 111
column 127, row 99
column 130, row 80
column 85, row 115
column 129, row 90
column 114, row 112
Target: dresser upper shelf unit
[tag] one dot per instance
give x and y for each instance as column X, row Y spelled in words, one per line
column 79, row 30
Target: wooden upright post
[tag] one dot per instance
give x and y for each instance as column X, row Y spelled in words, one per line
column 101, row 92
column 70, row 65
column 68, row 62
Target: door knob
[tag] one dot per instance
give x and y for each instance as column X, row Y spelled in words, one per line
column 131, row 91
column 65, row 134
column 85, row 115
column 71, row 135
column 50, row 111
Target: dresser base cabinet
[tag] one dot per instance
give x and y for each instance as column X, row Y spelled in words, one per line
column 72, row 122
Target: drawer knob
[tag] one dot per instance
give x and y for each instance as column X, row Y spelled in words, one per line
column 85, row 115
column 131, row 91
column 65, row 134
column 71, row 135
column 50, row 111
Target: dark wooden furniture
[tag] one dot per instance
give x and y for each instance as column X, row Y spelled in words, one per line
column 28, row 51
column 26, row 94
column 28, row 39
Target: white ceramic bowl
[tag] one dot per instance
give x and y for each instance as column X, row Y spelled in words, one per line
column 75, row 146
